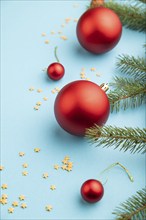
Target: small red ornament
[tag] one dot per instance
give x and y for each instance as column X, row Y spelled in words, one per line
column 92, row 190
column 99, row 30
column 55, row 70
column 80, row 105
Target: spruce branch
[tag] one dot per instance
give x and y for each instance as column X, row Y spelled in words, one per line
column 133, row 208
column 126, row 139
column 131, row 16
column 132, row 66
column 127, row 93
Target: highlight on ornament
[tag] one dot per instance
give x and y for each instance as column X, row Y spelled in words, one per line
column 99, row 30
column 55, row 71
column 92, row 190
column 81, row 104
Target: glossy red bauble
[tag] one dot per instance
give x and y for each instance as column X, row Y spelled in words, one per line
column 55, row 71
column 80, row 105
column 99, row 30
column 92, row 191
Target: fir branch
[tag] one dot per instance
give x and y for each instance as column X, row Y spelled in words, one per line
column 126, row 139
column 131, row 16
column 127, row 93
column 143, row 1
column 133, row 208
column 132, row 66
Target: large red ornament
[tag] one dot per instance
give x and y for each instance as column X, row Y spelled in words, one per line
column 99, row 30
column 92, row 190
column 80, row 105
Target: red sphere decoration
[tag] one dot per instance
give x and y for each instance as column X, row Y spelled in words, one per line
column 99, row 30
column 55, row 71
column 92, row 190
column 80, row 105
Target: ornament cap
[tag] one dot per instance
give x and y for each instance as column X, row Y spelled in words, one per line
column 104, row 87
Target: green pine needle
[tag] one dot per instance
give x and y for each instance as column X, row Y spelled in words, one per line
column 135, row 67
column 127, row 93
column 126, row 139
column 133, row 208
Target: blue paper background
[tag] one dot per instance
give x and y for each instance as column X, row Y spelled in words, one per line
column 24, row 55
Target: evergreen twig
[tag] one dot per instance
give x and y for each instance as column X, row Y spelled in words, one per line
column 132, row 139
column 132, row 66
column 133, row 208
column 127, row 93
column 131, row 16
column 143, row 1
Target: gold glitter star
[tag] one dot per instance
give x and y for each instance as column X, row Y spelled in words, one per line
column 64, row 161
column 39, row 90
column 46, row 41
column 43, row 34
column 76, row 20
column 10, row 210
column 52, row 187
column 67, row 158
column 23, row 206
column 24, row 173
column 21, row 154
column 69, row 169
column 93, row 69
column 1, row 168
column 63, row 37
column 15, row 204
column 64, row 167
column 57, row 89
column 38, row 103
column 45, row 98
column 36, row 108
column 98, row 74
column 70, row 164
column 59, row 32
column 4, row 186
column 53, row 91
column 21, row 197
column 67, row 20
column 45, row 175
column 4, row 196
column 31, row 89
column 3, row 201
column 88, row 79
column 48, row 208
column 25, row 165
column 37, row 149
column 56, row 166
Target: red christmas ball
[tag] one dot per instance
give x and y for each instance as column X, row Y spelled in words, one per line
column 55, row 71
column 99, row 30
column 80, row 105
column 92, row 190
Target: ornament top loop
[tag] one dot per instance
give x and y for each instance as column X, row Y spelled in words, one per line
column 104, row 87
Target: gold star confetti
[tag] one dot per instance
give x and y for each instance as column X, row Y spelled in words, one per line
column 76, row 5
column 45, row 98
column 67, row 158
column 15, row 204
column 76, row 20
column 56, row 166
column 3, row 201
column 21, row 154
column 63, row 25
column 63, row 167
column 67, row 20
column 88, row 79
column 45, row 175
column 36, row 108
column 53, row 91
column 38, row 103
column 93, row 69
column 10, row 210
column 98, row 74
column 64, row 161
column 1, row 168
column 68, row 169
column 4, row 186
column 37, row 150
column 44, row 70
column 46, row 41
column 70, row 164
column 23, row 206
column 48, row 208
column 25, row 165
column 52, row 32
column 43, row 34
column 39, row 90
column 4, row 196
column 57, row 89
column 52, row 187
column 21, row 197
column 59, row 32
column 31, row 89
column 63, row 37
column 24, row 173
